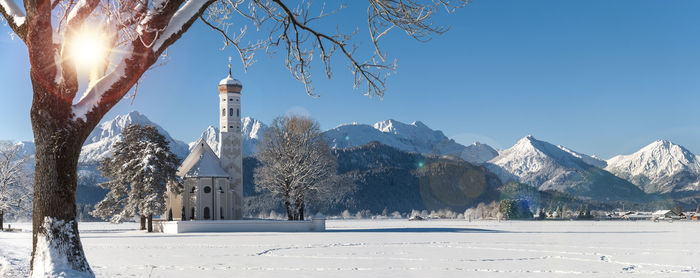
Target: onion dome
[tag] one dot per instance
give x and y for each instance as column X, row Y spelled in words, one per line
column 230, row 84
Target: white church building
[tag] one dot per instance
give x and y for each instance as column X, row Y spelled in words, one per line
column 212, row 182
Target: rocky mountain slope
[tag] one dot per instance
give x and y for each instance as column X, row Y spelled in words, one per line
column 415, row 137
column 660, row 167
column 549, row 167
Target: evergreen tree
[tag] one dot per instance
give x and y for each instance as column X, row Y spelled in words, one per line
column 138, row 174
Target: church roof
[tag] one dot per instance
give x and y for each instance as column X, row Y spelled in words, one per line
column 229, row 80
column 202, row 163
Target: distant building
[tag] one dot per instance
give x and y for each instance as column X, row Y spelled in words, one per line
column 666, row 214
column 212, row 185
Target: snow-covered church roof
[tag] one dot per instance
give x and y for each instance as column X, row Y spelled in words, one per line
column 230, row 81
column 202, row 163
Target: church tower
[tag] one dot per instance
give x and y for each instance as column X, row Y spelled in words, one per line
column 230, row 141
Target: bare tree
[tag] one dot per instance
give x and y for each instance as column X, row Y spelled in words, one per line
column 15, row 186
column 296, row 161
column 136, row 33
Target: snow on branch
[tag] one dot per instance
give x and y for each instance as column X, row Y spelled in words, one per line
column 13, row 11
column 14, row 15
column 93, row 94
column 189, row 12
column 80, row 12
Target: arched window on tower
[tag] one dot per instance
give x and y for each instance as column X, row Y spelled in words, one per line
column 238, row 112
column 230, row 112
column 206, row 213
column 223, row 112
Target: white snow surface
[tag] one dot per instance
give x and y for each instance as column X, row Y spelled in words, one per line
column 388, row 248
column 662, row 163
column 50, row 260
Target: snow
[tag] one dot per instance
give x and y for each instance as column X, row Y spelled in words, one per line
column 591, row 160
column 93, row 94
column 202, row 162
column 414, row 137
column 74, row 12
column 178, row 21
column 50, row 259
column 537, row 162
column 390, row 248
column 252, row 131
column 662, row 164
column 208, row 165
column 229, row 80
column 17, row 15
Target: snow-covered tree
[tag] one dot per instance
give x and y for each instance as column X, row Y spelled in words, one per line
column 296, row 162
column 138, row 173
column 110, row 44
column 15, row 186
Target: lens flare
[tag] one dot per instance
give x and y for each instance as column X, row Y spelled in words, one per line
column 88, row 49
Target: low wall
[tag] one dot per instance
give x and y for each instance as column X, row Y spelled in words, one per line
column 317, row 224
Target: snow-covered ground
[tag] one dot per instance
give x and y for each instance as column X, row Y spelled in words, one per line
column 389, row 248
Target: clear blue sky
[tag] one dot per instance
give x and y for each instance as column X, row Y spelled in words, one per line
column 602, row 77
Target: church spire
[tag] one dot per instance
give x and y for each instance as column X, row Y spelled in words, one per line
column 229, row 65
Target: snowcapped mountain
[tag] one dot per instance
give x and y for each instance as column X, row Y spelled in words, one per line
column 591, row 160
column 549, row 167
column 414, row 137
column 659, row 167
column 251, row 132
column 478, row 153
column 99, row 142
column 211, row 136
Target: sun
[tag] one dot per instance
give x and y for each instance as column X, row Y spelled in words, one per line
column 88, row 49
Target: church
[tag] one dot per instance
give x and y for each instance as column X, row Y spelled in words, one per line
column 211, row 186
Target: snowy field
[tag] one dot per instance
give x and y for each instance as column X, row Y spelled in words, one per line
column 389, row 248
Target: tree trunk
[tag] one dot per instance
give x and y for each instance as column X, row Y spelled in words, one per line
column 58, row 141
column 2, row 216
column 150, row 223
column 288, row 205
column 55, row 234
column 301, row 210
column 143, row 223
